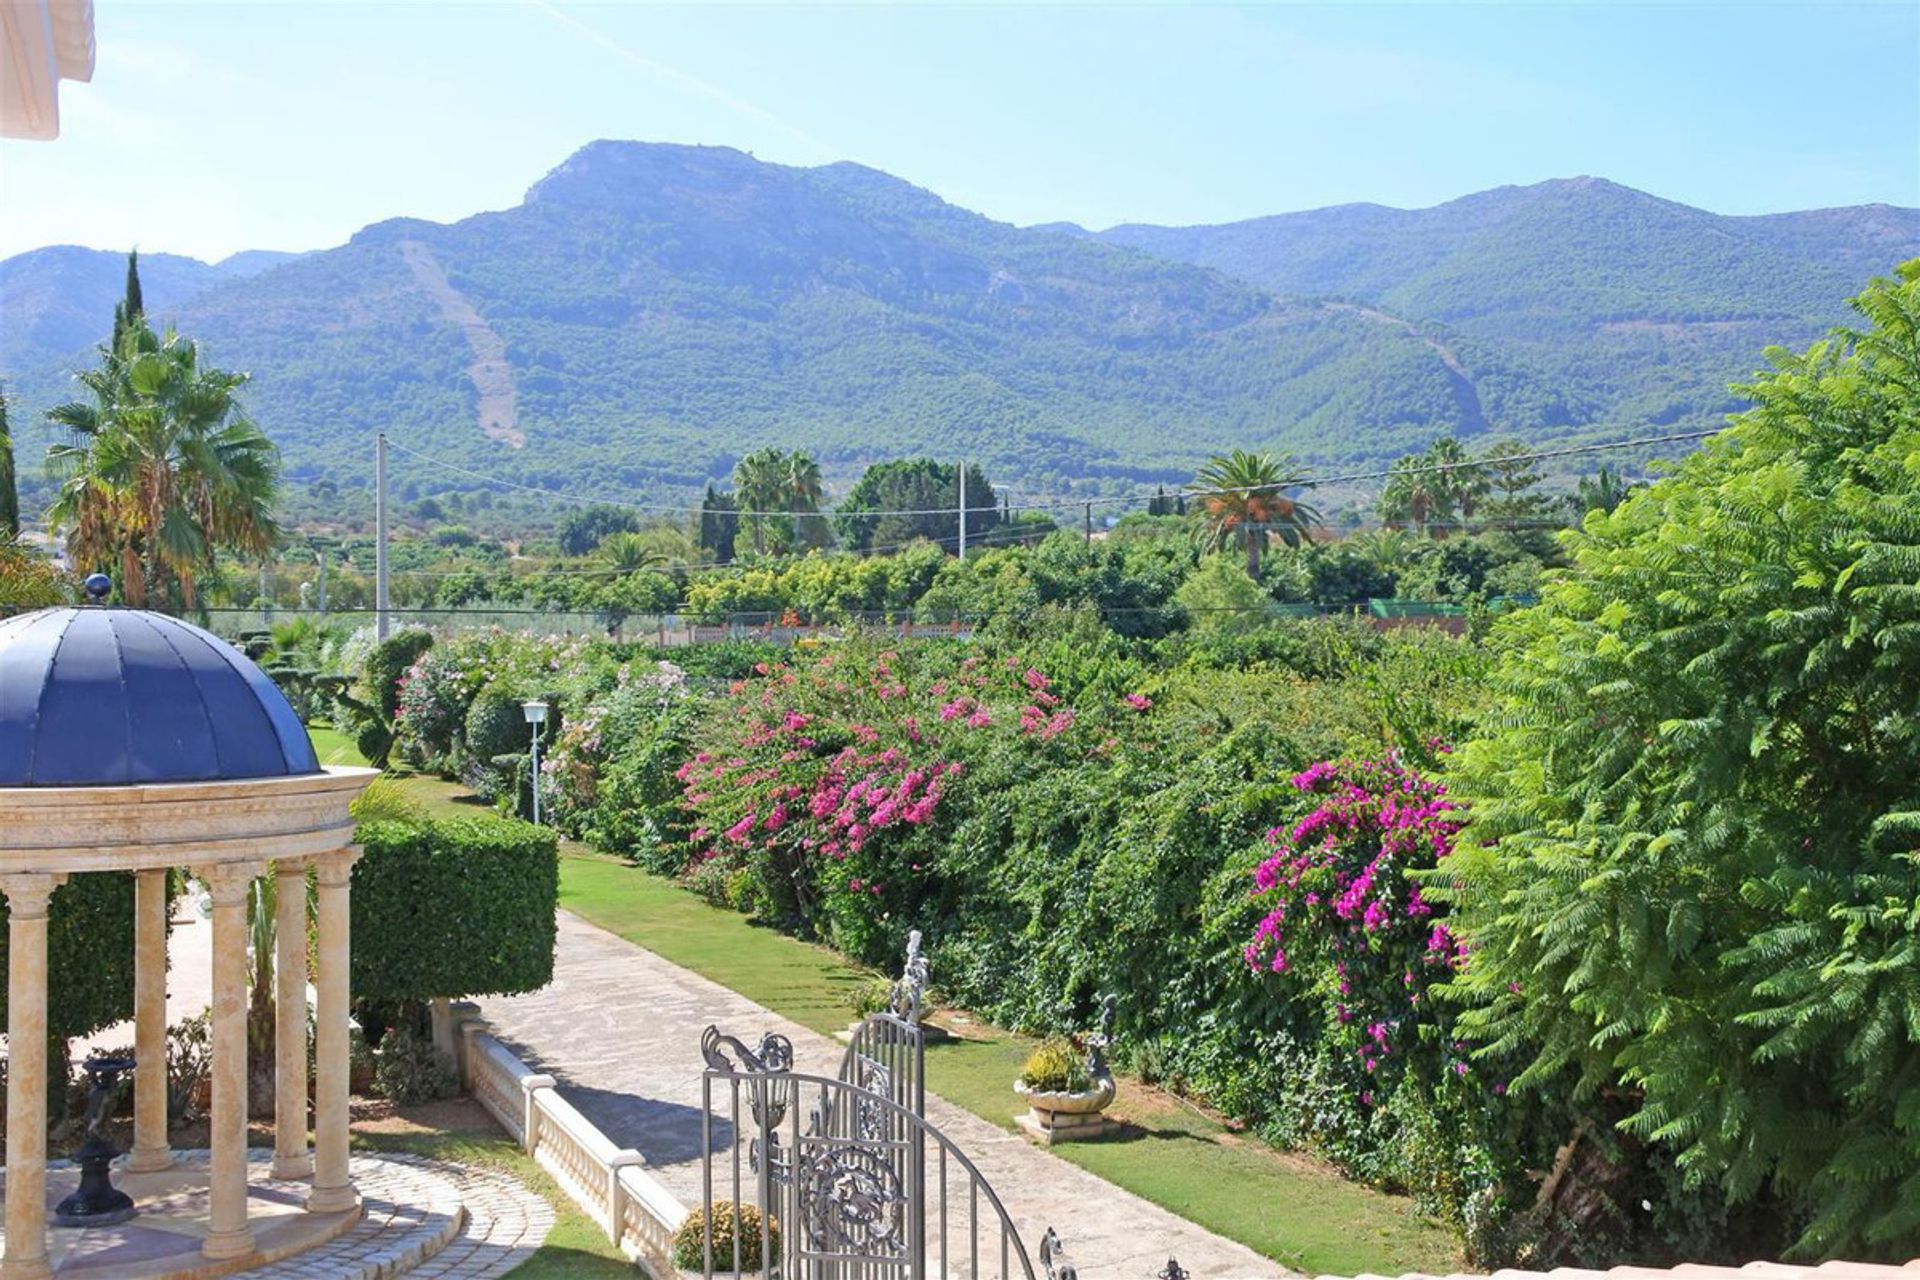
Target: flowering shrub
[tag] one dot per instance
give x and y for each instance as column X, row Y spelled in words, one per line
column 435, row 694
column 1347, row 924
column 608, row 776
column 832, row 778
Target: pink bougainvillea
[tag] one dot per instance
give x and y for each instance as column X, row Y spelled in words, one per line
column 1346, row 920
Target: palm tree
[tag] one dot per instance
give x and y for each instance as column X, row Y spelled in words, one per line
column 760, row 485
column 1604, row 490
column 629, row 552
column 162, row 469
column 1409, row 498
column 800, row 484
column 1456, row 476
column 802, row 489
column 1243, row 496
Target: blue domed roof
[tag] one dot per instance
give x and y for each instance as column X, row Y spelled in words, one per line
column 106, row 697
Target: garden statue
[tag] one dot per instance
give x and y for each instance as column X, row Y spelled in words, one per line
column 97, row 1202
column 911, row 989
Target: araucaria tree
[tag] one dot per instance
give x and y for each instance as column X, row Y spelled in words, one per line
column 1243, row 498
column 162, row 469
column 1691, row 876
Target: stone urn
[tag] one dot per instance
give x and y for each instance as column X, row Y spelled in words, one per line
column 1054, row 1116
column 1074, row 1115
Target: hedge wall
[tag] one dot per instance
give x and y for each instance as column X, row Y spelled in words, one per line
column 89, row 953
column 459, row 907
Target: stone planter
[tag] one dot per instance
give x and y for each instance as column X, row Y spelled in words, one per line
column 1066, row 1117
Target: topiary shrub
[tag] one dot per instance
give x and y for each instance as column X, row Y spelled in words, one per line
column 690, row 1241
column 455, row 907
column 89, row 953
column 374, row 741
column 387, row 663
column 496, row 724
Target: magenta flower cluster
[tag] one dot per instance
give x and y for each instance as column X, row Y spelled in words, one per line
column 1346, row 921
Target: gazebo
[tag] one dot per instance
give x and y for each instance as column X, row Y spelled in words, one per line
column 132, row 741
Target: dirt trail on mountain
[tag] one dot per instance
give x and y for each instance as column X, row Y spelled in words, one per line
column 492, row 379
column 1464, row 394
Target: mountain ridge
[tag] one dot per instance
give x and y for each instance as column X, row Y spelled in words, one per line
column 649, row 312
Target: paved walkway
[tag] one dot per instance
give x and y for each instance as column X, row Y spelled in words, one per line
column 620, row 1027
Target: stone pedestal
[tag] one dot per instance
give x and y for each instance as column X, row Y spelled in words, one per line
column 1067, row 1117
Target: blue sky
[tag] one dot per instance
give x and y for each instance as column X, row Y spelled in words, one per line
column 210, row 128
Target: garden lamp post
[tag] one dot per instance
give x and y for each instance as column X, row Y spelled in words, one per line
column 536, row 712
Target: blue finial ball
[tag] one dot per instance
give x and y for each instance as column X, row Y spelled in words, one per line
column 99, row 586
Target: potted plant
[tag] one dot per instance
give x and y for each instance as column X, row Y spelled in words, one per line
column 1067, row 1092
column 690, row 1241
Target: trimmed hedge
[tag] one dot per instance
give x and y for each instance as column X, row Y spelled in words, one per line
column 89, row 953
column 459, row 907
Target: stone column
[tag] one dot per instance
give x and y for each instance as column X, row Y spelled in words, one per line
column 333, row 1190
column 150, row 1152
column 228, row 1236
column 25, row 1257
column 291, row 1158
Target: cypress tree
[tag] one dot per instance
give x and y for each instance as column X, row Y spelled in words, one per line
column 130, row 309
column 9, row 495
column 719, row 524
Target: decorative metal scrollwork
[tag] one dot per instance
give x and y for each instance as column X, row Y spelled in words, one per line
column 911, row 989
column 1054, row 1258
column 873, row 1080
column 775, row 1053
column 768, row 1099
column 851, row 1201
column 1173, row 1271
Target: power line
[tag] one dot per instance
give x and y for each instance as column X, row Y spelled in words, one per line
column 1313, row 482
column 1056, row 504
column 649, row 509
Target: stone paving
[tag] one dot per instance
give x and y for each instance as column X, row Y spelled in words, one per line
column 420, row 1217
column 414, row 1225
column 619, row 1028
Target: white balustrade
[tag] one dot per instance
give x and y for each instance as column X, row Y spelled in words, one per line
column 609, row 1183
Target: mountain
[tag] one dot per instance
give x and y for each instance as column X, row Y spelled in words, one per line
column 1630, row 307
column 648, row 313
column 51, row 299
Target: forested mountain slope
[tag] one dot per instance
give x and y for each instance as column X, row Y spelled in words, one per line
column 651, row 312
column 1622, row 305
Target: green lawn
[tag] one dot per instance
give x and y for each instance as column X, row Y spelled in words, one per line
column 333, row 746
column 1289, row 1208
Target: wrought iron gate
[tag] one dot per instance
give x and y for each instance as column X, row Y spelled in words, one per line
column 855, row 1183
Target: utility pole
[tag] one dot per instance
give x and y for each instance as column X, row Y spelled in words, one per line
column 380, row 537
column 1089, row 524
column 320, row 557
column 963, row 508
